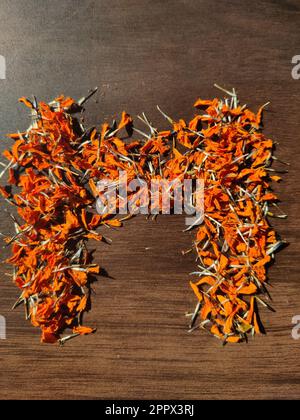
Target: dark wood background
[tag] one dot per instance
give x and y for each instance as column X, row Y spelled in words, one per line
column 141, row 53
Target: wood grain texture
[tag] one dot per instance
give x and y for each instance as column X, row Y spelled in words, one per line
column 141, row 53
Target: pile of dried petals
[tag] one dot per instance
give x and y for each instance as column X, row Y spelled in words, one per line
column 55, row 166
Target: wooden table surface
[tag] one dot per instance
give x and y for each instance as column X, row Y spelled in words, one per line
column 141, row 53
